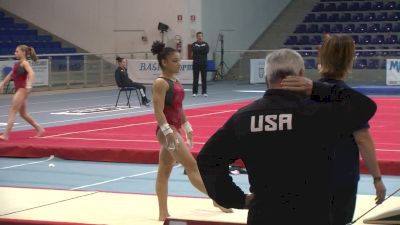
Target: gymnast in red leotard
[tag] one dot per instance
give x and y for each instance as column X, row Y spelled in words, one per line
column 168, row 95
column 23, row 77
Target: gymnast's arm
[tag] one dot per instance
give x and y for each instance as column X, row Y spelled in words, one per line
column 160, row 87
column 31, row 75
column 213, row 162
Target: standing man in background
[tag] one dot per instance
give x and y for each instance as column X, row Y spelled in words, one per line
column 200, row 50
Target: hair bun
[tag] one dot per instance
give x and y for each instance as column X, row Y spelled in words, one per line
column 119, row 59
column 157, row 47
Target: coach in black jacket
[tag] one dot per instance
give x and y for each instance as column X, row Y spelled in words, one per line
column 282, row 139
column 200, row 50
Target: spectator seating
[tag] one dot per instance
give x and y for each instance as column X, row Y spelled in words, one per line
column 374, row 25
column 13, row 34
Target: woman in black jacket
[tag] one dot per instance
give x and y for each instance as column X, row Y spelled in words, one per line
column 123, row 80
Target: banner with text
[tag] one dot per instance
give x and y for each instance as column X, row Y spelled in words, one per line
column 145, row 71
column 392, row 71
column 257, row 71
column 40, row 68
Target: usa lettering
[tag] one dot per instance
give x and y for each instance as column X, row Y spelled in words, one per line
column 271, row 122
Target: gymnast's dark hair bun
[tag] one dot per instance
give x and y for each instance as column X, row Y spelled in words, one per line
column 157, row 47
column 119, row 59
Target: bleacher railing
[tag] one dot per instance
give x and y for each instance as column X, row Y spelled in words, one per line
column 97, row 69
column 79, row 70
column 369, row 67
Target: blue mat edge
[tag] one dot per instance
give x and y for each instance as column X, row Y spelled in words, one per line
column 378, row 89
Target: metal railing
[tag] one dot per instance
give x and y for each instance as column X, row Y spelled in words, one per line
column 82, row 70
column 369, row 66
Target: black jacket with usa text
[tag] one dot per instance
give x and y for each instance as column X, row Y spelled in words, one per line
column 282, row 139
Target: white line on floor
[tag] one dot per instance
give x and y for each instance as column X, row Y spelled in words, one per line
column 5, row 124
column 130, row 125
column 113, row 140
column 387, row 150
column 31, row 163
column 131, row 113
column 117, row 179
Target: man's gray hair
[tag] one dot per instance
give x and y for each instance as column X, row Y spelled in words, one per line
column 281, row 63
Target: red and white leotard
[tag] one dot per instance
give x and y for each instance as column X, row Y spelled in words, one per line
column 19, row 76
column 173, row 103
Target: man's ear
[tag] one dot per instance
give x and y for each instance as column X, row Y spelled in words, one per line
column 301, row 73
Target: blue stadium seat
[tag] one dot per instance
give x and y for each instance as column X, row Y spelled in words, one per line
column 291, row 40
column 365, row 39
column 333, row 17
column 390, row 5
column 68, row 50
column 21, row 26
column 394, row 16
column 378, row 39
column 354, row 6
column 377, row 6
column 7, row 21
column 369, row 53
column 349, row 28
column 385, row 53
column 356, row 39
column 337, row 28
column 383, row 16
column 318, row 7
column 370, row 16
column 360, row 64
column 342, row 6
column 357, row 17
column 362, row 28
column 373, row 64
column 346, row 17
column 330, row 7
column 301, row 28
column 312, row 28
column 383, row 64
column 392, row 39
column 387, row 27
column 324, row 28
column 396, row 27
column 310, row 64
column 365, row 6
column 374, row 28
column 323, row 17
column 316, row 40
column 303, row 40
column 309, row 18
column 76, row 62
column 44, row 38
column 307, row 53
column 395, row 53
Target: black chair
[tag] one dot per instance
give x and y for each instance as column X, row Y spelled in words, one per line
column 128, row 93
